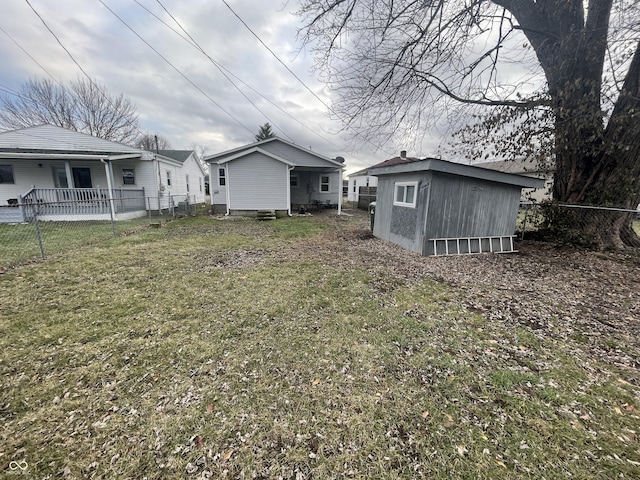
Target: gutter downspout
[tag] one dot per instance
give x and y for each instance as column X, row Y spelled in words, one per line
column 227, row 184
column 109, row 185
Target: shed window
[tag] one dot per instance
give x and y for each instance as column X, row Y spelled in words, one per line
column 405, row 194
column 6, row 174
column 128, row 176
column 222, row 179
column 324, row 183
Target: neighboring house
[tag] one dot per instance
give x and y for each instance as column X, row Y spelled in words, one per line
column 358, row 179
column 529, row 168
column 75, row 176
column 274, row 175
column 189, row 179
column 362, row 178
column 435, row 207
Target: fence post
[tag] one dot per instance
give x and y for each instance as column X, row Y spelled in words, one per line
column 37, row 226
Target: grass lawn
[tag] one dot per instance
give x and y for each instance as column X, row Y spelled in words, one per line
column 211, row 348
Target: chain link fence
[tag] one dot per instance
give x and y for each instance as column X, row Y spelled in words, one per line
column 30, row 231
column 554, row 221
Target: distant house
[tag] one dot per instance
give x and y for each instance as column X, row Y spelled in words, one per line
column 529, row 168
column 362, row 178
column 273, row 175
column 435, row 207
column 75, row 176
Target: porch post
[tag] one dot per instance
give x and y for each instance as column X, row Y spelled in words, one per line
column 289, row 168
column 68, row 172
column 109, row 185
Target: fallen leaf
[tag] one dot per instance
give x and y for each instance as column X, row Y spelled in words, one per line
column 630, row 408
column 425, row 414
column 227, row 455
column 199, row 441
column 462, row 450
column 209, row 408
column 316, row 382
column 617, row 410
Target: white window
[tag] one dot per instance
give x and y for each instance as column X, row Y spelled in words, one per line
column 293, row 180
column 186, row 179
column 168, row 178
column 354, row 186
column 324, row 183
column 222, row 179
column 405, row 194
column 128, row 176
column 200, row 183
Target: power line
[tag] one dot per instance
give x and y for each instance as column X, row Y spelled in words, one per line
column 28, row 54
column 220, row 66
column 106, row 97
column 176, row 68
column 197, row 46
column 276, row 57
column 296, row 76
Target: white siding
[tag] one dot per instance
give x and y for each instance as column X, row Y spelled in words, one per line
column 257, row 183
column 191, row 168
column 359, row 181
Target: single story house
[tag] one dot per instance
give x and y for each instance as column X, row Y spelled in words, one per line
column 273, row 175
column 75, row 176
column 362, row 178
column 435, row 207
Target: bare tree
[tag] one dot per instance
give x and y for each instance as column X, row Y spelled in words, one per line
column 152, row 142
column 402, row 66
column 84, row 106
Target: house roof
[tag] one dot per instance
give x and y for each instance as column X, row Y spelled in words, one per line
column 443, row 166
column 387, row 163
column 520, row 166
column 178, row 155
column 50, row 139
column 278, row 149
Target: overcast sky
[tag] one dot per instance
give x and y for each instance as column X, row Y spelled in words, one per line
column 185, row 98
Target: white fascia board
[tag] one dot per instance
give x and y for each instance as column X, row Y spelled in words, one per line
column 244, row 153
column 66, row 156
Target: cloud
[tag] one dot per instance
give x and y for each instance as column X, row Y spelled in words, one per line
column 219, row 116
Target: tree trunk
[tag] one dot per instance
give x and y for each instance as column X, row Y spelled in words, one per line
column 594, row 165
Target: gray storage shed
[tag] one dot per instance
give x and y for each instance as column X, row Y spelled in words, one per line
column 435, row 207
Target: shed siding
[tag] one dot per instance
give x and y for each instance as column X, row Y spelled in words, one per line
column 258, row 183
column 466, row 207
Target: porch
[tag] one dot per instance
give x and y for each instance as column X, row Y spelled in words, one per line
column 73, row 204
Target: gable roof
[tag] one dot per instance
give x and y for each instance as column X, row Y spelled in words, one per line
column 521, row 166
column 51, row 139
column 178, row 155
column 443, row 166
column 278, row 149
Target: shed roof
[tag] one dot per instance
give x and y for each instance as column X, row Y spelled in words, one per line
column 443, row 166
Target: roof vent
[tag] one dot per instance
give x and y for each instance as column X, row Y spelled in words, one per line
column 340, row 159
column 403, row 154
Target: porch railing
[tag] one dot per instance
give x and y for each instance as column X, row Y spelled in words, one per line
column 83, row 201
